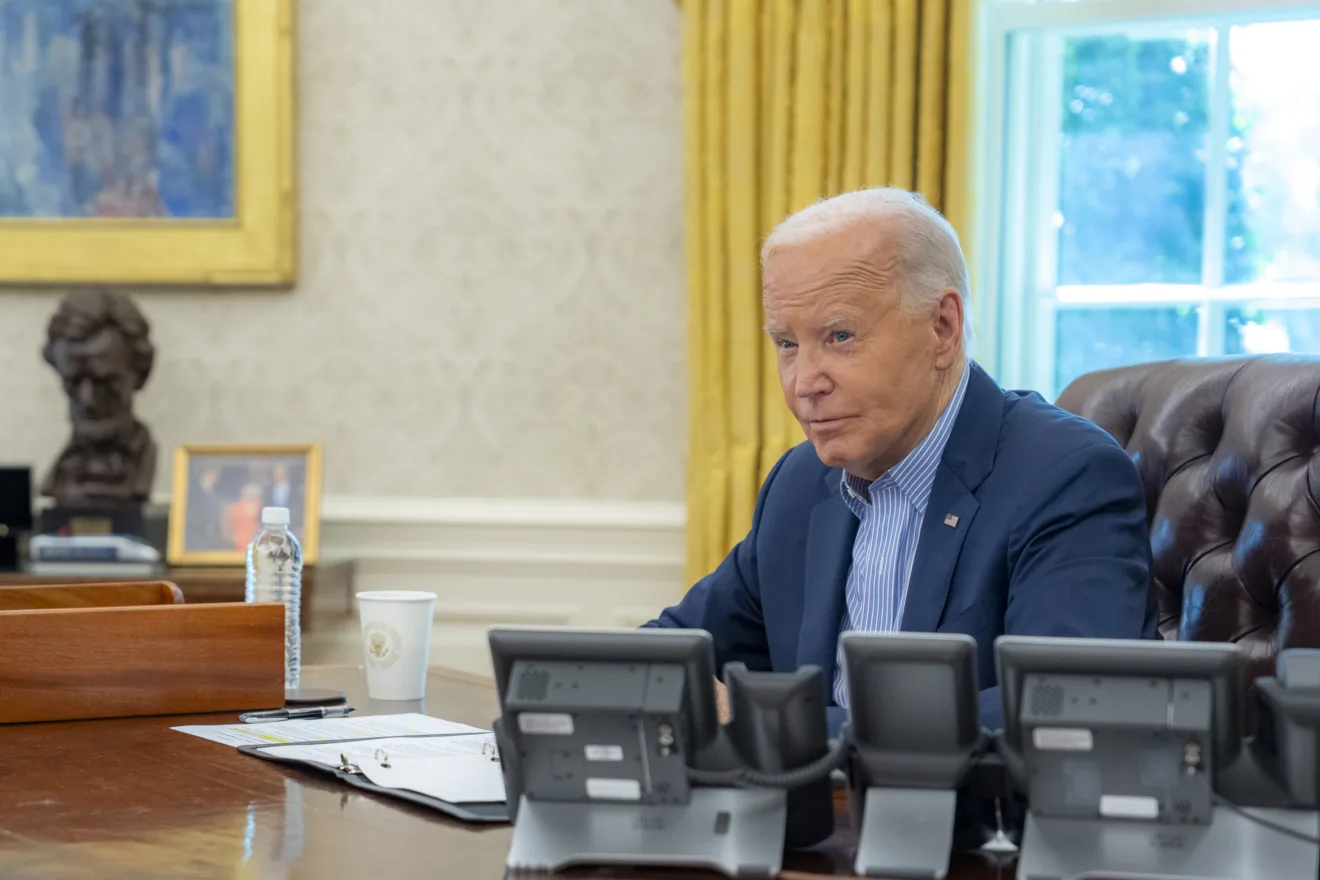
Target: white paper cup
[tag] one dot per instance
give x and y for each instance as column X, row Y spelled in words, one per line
column 396, row 642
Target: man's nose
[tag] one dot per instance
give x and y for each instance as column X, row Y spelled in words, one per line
column 812, row 380
column 86, row 391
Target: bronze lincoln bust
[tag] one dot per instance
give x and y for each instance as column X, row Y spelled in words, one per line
column 98, row 343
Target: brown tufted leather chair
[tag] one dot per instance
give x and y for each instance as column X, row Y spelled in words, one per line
column 1229, row 452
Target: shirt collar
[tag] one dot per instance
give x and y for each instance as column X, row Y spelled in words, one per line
column 915, row 474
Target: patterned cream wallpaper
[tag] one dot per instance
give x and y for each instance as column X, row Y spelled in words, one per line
column 491, row 279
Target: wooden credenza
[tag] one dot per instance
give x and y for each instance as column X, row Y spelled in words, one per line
column 327, row 588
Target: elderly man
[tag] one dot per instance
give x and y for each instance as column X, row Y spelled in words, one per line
column 926, row 498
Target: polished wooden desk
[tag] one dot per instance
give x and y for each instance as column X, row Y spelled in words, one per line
column 132, row 798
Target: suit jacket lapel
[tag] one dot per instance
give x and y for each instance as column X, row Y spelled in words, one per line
column 969, row 456
column 948, row 518
column 828, row 558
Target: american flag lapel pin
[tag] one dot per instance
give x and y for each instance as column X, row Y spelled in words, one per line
column 951, row 521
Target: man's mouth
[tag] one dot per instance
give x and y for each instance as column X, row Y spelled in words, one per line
column 827, row 424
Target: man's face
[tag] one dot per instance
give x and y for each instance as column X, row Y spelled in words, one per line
column 209, row 478
column 864, row 377
column 99, row 379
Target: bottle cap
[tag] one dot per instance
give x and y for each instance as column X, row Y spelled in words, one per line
column 274, row 516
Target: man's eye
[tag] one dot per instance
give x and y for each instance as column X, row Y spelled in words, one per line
column 786, row 344
column 841, row 336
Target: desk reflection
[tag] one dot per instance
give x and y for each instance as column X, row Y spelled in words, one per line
column 272, row 842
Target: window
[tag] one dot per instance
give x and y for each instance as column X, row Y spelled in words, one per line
column 1153, row 173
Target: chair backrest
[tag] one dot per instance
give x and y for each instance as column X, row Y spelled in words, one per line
column 1229, row 454
column 23, row 598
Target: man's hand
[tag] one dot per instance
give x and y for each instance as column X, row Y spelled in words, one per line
column 722, row 702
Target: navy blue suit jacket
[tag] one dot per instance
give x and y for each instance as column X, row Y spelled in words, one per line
column 1051, row 540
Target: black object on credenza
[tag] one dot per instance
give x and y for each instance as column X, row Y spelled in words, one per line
column 103, row 519
column 15, row 512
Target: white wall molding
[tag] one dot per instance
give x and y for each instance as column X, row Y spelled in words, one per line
column 541, row 562
column 506, row 511
column 510, row 533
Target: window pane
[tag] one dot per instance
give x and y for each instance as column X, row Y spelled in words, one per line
column 1132, row 185
column 1099, row 338
column 1273, row 225
column 1250, row 330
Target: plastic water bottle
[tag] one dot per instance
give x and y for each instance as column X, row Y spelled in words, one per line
column 274, row 574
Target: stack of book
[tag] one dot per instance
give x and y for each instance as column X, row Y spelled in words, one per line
column 110, row 556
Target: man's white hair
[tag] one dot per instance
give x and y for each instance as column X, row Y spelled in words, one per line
column 928, row 259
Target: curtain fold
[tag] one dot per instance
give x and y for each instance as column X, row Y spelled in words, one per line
column 786, row 102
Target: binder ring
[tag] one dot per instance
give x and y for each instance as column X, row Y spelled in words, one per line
column 382, row 757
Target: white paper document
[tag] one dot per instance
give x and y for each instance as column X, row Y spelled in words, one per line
column 458, row 780
column 457, row 769
column 325, row 729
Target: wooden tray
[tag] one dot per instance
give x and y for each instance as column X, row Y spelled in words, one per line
column 94, row 595
column 59, row 664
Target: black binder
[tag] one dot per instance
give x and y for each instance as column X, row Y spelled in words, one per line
column 481, row 813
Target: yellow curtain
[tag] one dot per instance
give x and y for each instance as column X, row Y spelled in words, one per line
column 785, row 102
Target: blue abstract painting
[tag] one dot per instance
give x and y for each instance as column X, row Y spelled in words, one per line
column 117, row 108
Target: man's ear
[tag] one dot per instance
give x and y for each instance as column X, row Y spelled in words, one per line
column 948, row 329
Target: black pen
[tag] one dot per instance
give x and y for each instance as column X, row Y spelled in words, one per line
column 295, row 714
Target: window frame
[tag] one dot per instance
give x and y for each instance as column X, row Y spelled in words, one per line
column 1016, row 263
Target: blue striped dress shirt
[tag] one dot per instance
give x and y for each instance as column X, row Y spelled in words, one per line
column 890, row 510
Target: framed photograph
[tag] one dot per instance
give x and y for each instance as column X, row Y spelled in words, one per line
column 137, row 141
column 218, row 493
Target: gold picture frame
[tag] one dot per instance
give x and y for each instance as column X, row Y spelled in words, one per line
column 218, row 492
column 257, row 246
